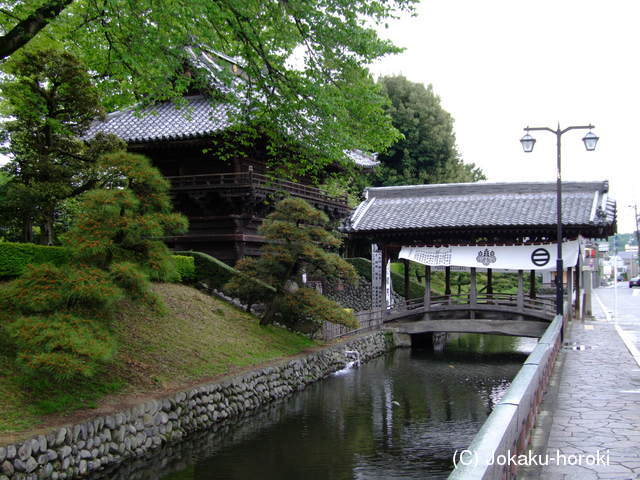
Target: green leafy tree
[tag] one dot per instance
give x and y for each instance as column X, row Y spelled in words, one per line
column 51, row 102
column 299, row 241
column 427, row 153
column 126, row 220
column 302, row 61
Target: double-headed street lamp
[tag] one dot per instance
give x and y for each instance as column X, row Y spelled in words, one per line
column 590, row 140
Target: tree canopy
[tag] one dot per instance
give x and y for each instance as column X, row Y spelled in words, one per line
column 303, row 62
column 427, row 153
column 50, row 101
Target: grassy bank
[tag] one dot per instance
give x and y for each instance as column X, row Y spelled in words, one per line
column 197, row 338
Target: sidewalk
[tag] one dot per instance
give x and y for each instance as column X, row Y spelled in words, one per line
column 592, row 406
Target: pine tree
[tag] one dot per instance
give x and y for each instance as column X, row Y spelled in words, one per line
column 298, row 241
column 126, row 220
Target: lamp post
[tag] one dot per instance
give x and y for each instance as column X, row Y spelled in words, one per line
column 590, row 140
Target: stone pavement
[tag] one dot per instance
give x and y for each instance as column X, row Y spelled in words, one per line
column 592, row 406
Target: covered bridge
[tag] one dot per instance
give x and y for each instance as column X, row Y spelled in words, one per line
column 479, row 226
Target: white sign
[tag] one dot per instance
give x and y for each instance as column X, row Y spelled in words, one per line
column 514, row 257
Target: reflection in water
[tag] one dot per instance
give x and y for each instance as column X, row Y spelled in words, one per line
column 399, row 416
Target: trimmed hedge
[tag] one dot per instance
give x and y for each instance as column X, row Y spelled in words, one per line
column 363, row 267
column 214, row 272
column 14, row 257
column 186, row 267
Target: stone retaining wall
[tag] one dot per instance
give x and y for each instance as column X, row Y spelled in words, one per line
column 357, row 297
column 77, row 450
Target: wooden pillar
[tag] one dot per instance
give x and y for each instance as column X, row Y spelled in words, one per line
column 532, row 284
column 520, row 290
column 578, row 287
column 376, row 277
column 588, row 284
column 570, row 292
column 427, row 288
column 473, row 291
column 489, row 281
column 427, row 291
column 385, row 260
column 406, row 279
column 447, row 280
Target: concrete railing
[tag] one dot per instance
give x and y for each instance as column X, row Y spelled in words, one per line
column 506, row 431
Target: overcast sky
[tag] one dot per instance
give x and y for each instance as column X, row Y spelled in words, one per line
column 500, row 65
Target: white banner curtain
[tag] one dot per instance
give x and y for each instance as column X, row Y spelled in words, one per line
column 513, row 257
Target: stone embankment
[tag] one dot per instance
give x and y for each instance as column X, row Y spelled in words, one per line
column 77, row 450
column 356, row 297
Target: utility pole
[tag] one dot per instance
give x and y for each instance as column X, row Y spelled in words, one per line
column 635, row 215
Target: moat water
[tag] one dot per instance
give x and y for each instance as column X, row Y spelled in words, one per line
column 400, row 416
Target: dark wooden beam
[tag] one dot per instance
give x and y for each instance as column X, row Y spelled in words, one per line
column 405, row 263
column 427, row 289
column 447, row 280
column 532, row 284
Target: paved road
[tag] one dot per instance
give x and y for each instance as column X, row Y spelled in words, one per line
column 621, row 305
column 593, row 405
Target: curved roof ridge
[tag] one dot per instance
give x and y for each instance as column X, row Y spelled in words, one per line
column 484, row 188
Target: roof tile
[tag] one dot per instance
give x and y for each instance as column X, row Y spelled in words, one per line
column 483, row 204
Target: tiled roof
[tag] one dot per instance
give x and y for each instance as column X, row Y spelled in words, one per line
column 197, row 118
column 481, row 204
column 166, row 121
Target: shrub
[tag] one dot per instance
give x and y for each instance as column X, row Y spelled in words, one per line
column 127, row 275
column 186, row 267
column 245, row 286
column 210, row 270
column 48, row 288
column 62, row 345
column 90, row 288
column 14, row 257
column 216, row 273
column 159, row 263
column 305, row 310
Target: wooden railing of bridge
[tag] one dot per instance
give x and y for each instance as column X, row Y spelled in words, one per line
column 500, row 303
column 497, row 302
column 258, row 182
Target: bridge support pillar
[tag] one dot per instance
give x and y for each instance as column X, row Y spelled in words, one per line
column 401, row 340
column 447, row 281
